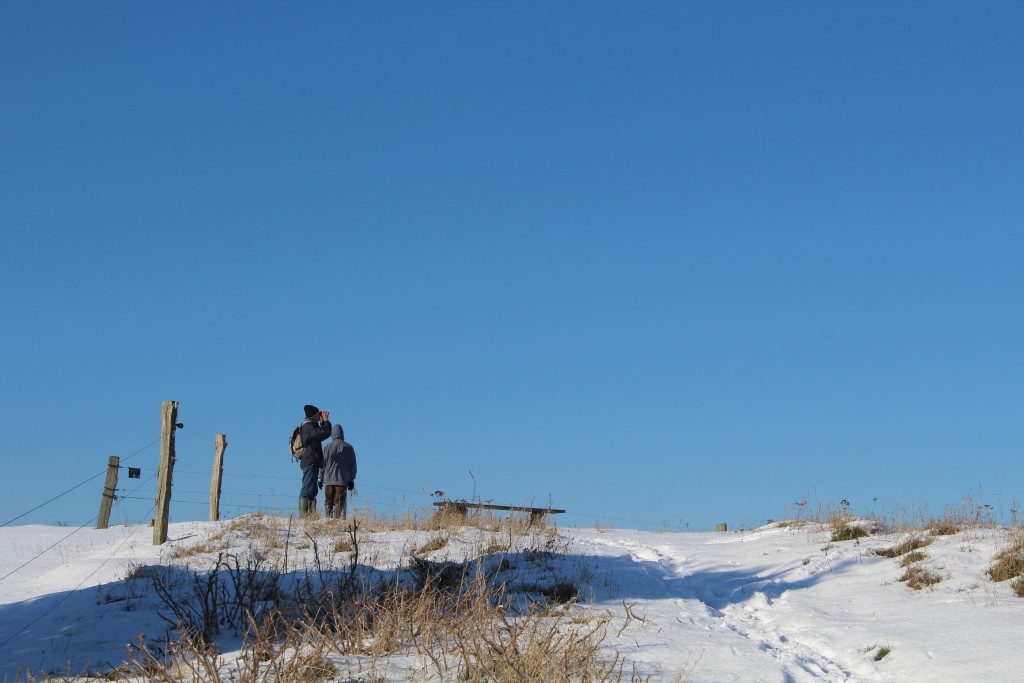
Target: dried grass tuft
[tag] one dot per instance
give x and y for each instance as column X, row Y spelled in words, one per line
column 912, row 543
column 1009, row 562
column 918, row 578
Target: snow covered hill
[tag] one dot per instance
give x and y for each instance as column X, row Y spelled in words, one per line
column 781, row 603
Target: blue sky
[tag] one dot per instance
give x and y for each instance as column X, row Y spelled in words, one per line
column 674, row 263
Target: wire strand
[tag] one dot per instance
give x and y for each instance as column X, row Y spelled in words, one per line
column 204, row 438
column 72, row 591
column 60, row 495
column 33, row 559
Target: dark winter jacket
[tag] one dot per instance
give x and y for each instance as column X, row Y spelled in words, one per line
column 312, row 435
column 339, row 460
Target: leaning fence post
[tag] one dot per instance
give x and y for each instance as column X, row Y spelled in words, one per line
column 221, row 442
column 109, row 487
column 168, row 421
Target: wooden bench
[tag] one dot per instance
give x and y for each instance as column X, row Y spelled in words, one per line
column 461, row 507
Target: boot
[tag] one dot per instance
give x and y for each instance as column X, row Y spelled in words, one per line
column 303, row 506
column 329, row 511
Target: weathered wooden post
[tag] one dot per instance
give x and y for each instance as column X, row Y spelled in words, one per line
column 109, row 487
column 168, row 421
column 220, row 442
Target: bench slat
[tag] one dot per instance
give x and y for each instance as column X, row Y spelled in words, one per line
column 488, row 506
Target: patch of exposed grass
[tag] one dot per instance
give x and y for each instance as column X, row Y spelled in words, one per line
column 791, row 523
column 847, row 532
column 207, row 546
column 495, row 548
column 912, row 557
column 918, row 577
column 947, row 526
column 912, row 543
column 1008, row 563
column 436, row 542
column 845, row 527
column 882, row 653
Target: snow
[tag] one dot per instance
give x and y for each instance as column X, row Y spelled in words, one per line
column 782, row 603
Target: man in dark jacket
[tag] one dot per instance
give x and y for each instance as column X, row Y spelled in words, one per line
column 314, row 429
column 338, row 475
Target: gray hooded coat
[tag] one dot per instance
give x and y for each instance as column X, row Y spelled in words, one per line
column 339, row 460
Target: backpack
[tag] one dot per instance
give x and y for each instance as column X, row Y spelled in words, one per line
column 295, row 444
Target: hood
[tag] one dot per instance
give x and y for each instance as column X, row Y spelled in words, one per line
column 337, row 433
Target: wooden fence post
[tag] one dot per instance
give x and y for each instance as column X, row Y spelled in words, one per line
column 221, row 442
column 168, row 421
column 109, row 487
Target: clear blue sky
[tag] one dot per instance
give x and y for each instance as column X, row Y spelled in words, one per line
column 661, row 262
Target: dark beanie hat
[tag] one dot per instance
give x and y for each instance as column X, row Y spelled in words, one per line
column 311, row 411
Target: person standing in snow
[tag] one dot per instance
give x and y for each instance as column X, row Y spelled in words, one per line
column 314, row 429
column 338, row 475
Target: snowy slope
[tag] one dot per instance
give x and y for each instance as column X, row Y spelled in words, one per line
column 782, row 603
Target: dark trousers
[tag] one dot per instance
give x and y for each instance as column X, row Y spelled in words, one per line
column 336, row 497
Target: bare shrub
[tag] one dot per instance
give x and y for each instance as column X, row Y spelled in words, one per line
column 559, row 592
column 504, row 614
column 229, row 594
column 271, row 651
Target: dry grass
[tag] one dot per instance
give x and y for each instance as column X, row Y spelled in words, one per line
column 1008, row 564
column 494, row 548
column 434, row 543
column 205, row 547
column 918, row 577
column 442, row 519
column 846, row 528
column 971, row 513
column 946, row 526
column 469, row 630
column 912, row 543
column 792, row 523
column 912, row 557
column 265, row 531
column 849, row 533
column 475, row 620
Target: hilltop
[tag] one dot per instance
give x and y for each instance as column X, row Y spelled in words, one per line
column 392, row 600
